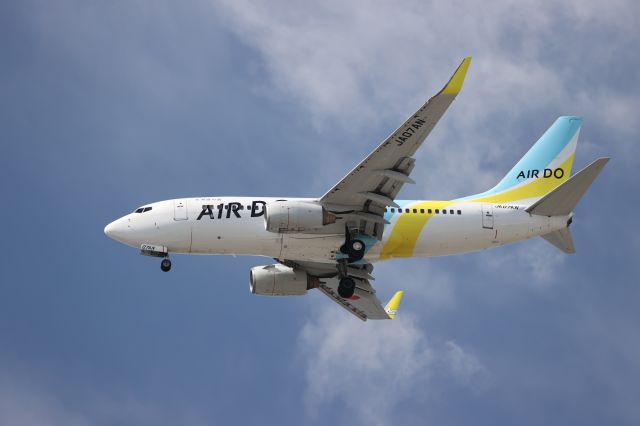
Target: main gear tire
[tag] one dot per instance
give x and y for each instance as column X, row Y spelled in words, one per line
column 346, row 287
column 355, row 250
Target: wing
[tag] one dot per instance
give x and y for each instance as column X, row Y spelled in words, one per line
column 363, row 304
column 374, row 183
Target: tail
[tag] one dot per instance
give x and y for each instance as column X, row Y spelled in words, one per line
column 563, row 199
column 543, row 168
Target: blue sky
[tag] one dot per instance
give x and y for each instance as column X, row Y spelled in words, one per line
column 106, row 106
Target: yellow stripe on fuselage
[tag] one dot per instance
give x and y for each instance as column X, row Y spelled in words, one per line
column 407, row 229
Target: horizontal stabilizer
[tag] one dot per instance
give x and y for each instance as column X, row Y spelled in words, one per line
column 562, row 200
column 562, row 239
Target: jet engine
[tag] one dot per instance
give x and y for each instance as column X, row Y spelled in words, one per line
column 280, row 280
column 296, row 216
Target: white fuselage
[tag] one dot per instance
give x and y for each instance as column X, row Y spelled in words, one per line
column 236, row 225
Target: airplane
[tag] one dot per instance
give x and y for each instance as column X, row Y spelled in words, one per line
column 331, row 242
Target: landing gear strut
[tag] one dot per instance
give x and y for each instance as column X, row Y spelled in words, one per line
column 165, row 265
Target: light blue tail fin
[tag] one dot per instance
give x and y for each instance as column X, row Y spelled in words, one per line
column 545, row 166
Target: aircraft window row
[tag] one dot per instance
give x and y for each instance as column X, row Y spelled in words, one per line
column 143, row 209
column 423, row 211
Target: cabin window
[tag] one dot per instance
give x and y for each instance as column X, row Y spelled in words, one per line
column 459, row 212
column 429, row 211
column 444, row 211
column 415, row 210
column 437, row 211
column 422, row 211
column 451, row 212
column 393, row 210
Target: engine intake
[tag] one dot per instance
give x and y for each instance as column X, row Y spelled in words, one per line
column 280, row 280
column 296, row 216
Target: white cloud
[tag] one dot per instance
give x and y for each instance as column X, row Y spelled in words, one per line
column 359, row 68
column 428, row 283
column 356, row 68
column 466, row 368
column 359, row 65
column 370, row 368
column 19, row 406
column 27, row 399
column 536, row 261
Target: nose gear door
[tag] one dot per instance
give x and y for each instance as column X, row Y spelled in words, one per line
column 180, row 210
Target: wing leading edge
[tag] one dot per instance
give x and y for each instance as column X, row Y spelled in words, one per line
column 375, row 182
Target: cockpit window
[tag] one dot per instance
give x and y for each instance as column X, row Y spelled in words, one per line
column 143, row 209
column 146, row 209
column 139, row 210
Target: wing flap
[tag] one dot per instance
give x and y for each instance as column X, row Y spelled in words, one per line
column 363, row 304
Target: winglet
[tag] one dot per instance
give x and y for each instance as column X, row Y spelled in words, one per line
column 454, row 85
column 392, row 307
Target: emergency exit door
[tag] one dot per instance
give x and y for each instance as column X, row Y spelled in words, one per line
column 180, row 210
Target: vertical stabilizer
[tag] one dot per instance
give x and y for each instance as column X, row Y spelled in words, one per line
column 544, row 167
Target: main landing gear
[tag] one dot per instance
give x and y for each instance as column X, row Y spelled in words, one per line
column 165, row 265
column 346, row 287
column 353, row 247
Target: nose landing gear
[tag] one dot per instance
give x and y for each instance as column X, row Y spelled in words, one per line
column 165, row 265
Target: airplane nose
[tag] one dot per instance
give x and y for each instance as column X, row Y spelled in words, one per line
column 108, row 230
column 116, row 229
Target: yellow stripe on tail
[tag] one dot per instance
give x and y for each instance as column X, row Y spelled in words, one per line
column 392, row 307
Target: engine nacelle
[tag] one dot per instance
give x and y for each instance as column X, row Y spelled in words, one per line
column 296, row 216
column 279, row 280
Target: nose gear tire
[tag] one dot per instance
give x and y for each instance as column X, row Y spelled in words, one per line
column 165, row 265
